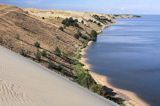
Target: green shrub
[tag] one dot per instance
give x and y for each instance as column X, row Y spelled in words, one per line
column 44, row 53
column 101, row 19
column 78, row 34
column 90, row 20
column 57, row 52
column 37, row 44
column 38, row 55
column 84, row 37
column 59, row 68
column 85, row 79
column 56, row 67
column 93, row 35
column 23, row 52
column 99, row 24
column 96, row 88
column 70, row 22
column 51, row 65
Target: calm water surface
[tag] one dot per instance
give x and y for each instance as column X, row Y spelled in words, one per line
column 128, row 53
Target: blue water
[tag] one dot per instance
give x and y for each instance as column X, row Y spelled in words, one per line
column 128, row 53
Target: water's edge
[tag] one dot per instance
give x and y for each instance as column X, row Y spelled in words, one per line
column 131, row 99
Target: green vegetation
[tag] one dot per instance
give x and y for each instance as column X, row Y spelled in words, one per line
column 101, row 19
column 57, row 52
column 90, row 20
column 85, row 79
column 38, row 55
column 54, row 66
column 99, row 24
column 82, row 76
column 78, row 34
column 44, row 53
column 93, row 35
column 96, row 88
column 70, row 22
column 24, row 52
column 37, row 44
column 51, row 65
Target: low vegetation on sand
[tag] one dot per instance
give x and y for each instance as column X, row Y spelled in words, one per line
column 70, row 22
column 83, row 77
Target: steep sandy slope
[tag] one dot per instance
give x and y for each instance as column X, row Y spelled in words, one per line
column 25, row 83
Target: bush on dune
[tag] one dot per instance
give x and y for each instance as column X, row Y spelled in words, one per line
column 57, row 52
column 70, row 22
column 38, row 55
column 93, row 35
column 37, row 44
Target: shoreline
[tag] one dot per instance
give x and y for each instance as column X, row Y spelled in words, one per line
column 131, row 99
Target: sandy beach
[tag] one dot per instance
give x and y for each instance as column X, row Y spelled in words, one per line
column 131, row 98
column 26, row 83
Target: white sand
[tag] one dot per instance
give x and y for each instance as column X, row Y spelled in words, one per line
column 131, row 98
column 26, row 83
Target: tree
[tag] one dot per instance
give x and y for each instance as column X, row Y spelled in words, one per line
column 70, row 22
column 93, row 35
column 78, row 34
column 57, row 52
column 37, row 44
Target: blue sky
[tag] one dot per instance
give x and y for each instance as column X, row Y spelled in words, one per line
column 104, row 6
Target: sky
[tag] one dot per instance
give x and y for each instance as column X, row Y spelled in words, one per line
column 101, row 6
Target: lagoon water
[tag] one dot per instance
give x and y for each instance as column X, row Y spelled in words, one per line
column 128, row 53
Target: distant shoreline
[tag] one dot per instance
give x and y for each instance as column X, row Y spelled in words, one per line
column 131, row 99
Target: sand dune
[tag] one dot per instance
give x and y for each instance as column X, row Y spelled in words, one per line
column 25, row 83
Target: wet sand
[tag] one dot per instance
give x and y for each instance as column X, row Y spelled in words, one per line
column 131, row 99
